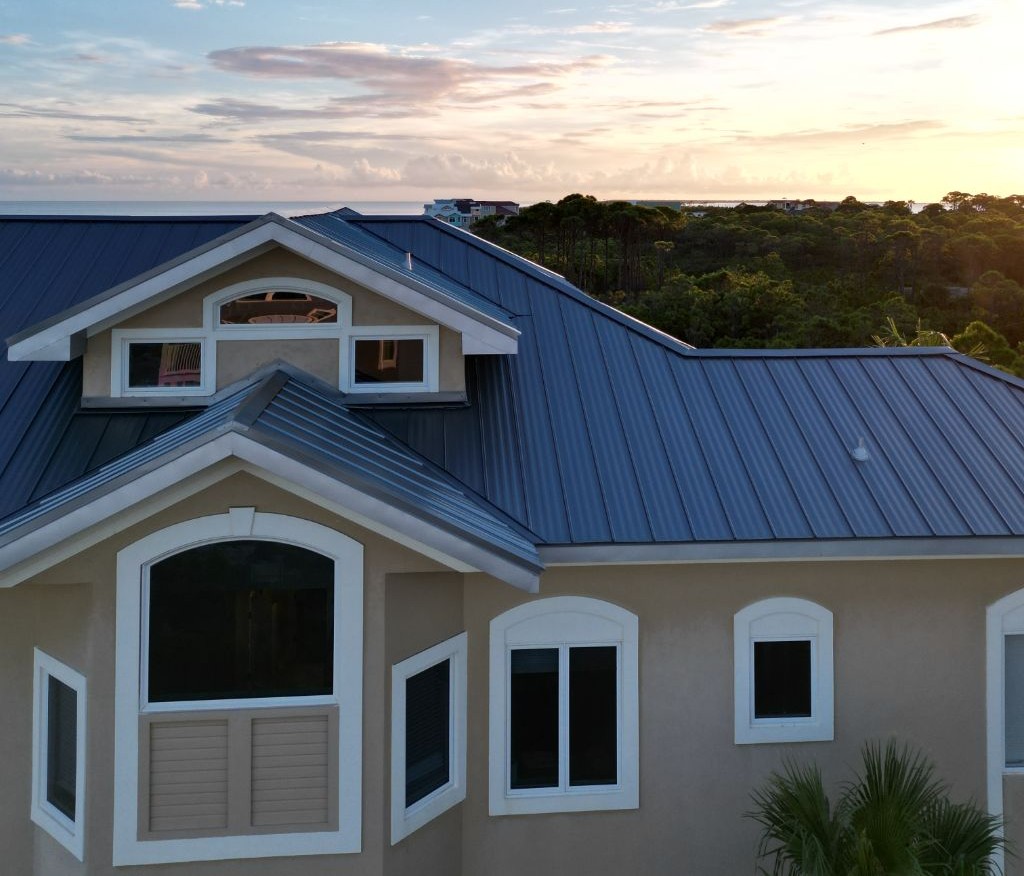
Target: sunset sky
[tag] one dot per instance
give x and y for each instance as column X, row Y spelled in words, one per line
column 388, row 100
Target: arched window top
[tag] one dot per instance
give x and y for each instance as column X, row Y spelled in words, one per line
column 278, row 304
column 568, row 619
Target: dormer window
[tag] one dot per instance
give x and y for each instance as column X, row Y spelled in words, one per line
column 278, row 307
column 155, row 362
column 392, row 359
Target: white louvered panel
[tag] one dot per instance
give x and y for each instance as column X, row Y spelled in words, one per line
column 289, row 771
column 188, row 781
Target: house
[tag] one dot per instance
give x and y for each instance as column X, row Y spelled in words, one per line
column 359, row 541
column 463, row 212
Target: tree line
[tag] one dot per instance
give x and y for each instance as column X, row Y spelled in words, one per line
column 850, row 275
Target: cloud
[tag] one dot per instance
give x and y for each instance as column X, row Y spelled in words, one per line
column 197, row 4
column 744, row 26
column 44, row 112
column 14, row 39
column 603, row 27
column 394, row 76
column 864, row 134
column 960, row 21
column 147, row 138
column 337, row 108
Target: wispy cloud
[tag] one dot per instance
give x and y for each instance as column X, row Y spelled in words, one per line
column 176, row 139
column 603, row 27
column 956, row 23
column 59, row 112
column 14, row 39
column 338, row 108
column 855, row 133
column 200, row 4
column 745, row 26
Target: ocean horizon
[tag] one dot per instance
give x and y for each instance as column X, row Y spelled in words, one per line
column 203, row 208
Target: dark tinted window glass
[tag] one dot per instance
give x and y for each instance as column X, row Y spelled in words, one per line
column 241, row 619
column 593, row 715
column 782, row 679
column 61, row 746
column 275, row 308
column 163, row 364
column 427, row 713
column 534, row 707
column 389, row 361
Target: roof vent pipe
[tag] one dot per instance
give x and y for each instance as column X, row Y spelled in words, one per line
column 860, row 452
column 408, row 261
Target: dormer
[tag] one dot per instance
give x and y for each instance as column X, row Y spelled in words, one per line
column 365, row 319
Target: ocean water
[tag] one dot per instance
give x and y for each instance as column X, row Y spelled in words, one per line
column 203, row 208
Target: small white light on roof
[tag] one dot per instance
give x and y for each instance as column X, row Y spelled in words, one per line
column 860, row 452
column 408, row 261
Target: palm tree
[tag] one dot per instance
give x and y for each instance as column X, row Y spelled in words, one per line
column 894, row 819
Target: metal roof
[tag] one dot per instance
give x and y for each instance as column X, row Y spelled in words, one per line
column 310, row 425
column 600, row 431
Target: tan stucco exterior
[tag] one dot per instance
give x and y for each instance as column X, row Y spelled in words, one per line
column 909, row 661
column 236, row 359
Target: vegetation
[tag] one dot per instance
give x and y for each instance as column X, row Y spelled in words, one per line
column 821, row 277
column 894, row 819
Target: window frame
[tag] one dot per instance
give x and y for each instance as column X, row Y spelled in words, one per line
column 407, row 819
column 276, row 331
column 132, row 564
column 70, row 833
column 565, row 622
column 122, row 339
column 429, row 334
column 784, row 619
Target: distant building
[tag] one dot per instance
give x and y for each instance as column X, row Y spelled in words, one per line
column 463, row 212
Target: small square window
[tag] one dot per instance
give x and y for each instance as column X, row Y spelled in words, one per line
column 389, row 360
column 783, row 664
column 782, row 679
column 164, row 364
column 58, row 752
column 428, row 735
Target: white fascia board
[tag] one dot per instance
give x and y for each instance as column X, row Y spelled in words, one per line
column 979, row 547
column 40, row 547
column 57, row 339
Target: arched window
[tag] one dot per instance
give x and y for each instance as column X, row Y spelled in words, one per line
column 238, row 725
column 279, row 307
column 564, row 708
column 783, row 664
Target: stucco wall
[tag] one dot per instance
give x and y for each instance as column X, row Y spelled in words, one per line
column 319, row 357
column 69, row 612
column 909, row 661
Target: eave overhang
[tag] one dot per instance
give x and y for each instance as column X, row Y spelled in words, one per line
column 63, row 336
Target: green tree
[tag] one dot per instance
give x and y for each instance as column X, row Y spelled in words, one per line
column 894, row 819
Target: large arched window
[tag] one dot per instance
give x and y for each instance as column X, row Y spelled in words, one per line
column 238, row 726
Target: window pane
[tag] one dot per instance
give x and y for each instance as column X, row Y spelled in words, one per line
column 593, row 711
column 276, row 308
column 427, row 713
column 164, row 364
column 782, row 679
column 534, row 707
column 1015, row 700
column 61, row 746
column 241, row 619
column 389, row 360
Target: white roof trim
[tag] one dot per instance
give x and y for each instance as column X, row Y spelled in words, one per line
column 35, row 549
column 979, row 547
column 60, row 339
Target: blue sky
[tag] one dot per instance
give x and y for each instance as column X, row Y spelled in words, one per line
column 358, row 100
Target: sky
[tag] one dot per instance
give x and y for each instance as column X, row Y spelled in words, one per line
column 396, row 100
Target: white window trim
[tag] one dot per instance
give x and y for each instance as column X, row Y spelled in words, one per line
column 405, row 820
column 69, row 833
column 132, row 565
column 121, row 338
column 1003, row 618
column 429, row 334
column 277, row 331
column 565, row 621
column 784, row 619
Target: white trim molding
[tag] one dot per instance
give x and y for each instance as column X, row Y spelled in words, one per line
column 406, row 819
column 784, row 619
column 564, row 622
column 133, row 563
column 122, row 339
column 1003, row 618
column 69, row 832
column 429, row 334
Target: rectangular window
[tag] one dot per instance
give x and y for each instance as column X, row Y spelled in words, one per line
column 58, row 752
column 389, row 360
column 428, row 735
column 1014, row 700
column 534, row 718
column 782, row 679
column 164, row 364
